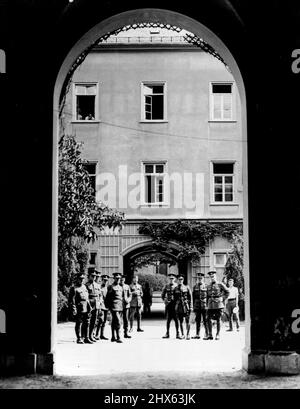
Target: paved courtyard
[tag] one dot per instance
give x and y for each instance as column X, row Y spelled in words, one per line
column 147, row 352
column 149, row 362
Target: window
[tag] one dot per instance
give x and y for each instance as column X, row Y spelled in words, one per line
column 153, row 102
column 221, row 102
column 154, row 175
column 220, row 259
column 223, row 182
column 85, row 102
column 93, row 256
column 90, row 167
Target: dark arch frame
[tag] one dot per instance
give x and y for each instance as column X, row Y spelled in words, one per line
column 110, row 24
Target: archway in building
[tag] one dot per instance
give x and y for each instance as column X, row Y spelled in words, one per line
column 73, row 60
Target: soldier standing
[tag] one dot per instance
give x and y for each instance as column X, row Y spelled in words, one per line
column 183, row 305
column 80, row 307
column 136, row 303
column 104, row 309
column 126, row 305
column 168, row 297
column 114, row 302
column 215, row 305
column 100, row 311
column 200, row 304
column 94, row 297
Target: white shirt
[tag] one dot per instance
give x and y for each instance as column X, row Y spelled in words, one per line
column 233, row 293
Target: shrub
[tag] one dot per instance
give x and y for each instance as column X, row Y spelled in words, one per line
column 156, row 281
column 62, row 307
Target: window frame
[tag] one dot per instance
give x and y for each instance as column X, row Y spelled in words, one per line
column 143, row 103
column 225, row 253
column 143, row 184
column 212, row 184
column 93, row 162
column 74, row 113
column 211, row 102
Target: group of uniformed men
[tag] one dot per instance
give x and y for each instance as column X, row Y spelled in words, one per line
column 207, row 302
column 90, row 303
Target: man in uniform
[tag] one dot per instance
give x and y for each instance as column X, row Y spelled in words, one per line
column 232, row 305
column 168, row 297
column 183, row 305
column 103, row 307
column 200, row 304
column 94, row 290
column 126, row 305
column 80, row 307
column 100, row 315
column 136, row 303
column 215, row 305
column 114, row 302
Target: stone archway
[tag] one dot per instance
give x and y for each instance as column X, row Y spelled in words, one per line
column 113, row 23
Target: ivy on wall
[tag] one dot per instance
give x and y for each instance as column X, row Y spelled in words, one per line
column 191, row 237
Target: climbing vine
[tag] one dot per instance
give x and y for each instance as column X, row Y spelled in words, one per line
column 191, row 236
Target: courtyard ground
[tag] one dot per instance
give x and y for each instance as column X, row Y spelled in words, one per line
column 149, row 362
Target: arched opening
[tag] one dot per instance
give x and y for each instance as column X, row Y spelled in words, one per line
column 76, row 55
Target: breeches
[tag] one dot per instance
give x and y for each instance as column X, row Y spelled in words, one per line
column 201, row 315
column 116, row 319
column 135, row 311
column 125, row 318
column 214, row 314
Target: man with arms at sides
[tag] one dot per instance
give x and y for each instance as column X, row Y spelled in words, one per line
column 126, row 305
column 200, row 304
column 114, row 302
column 216, row 292
column 167, row 296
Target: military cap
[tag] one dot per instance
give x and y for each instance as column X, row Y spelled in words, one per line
column 116, row 275
column 80, row 275
column 180, row 276
column 104, row 275
column 211, row 272
column 97, row 272
column 200, row 273
column 92, row 273
column 123, row 275
column 172, row 274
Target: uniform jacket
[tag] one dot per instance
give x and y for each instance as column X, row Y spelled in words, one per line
column 127, row 296
column 103, row 299
column 94, row 290
column 137, row 294
column 216, row 292
column 115, row 297
column 79, row 299
column 183, row 299
column 168, row 294
column 200, row 296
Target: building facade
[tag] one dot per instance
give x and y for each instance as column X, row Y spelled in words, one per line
column 160, row 122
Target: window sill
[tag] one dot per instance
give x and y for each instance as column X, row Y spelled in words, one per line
column 223, row 120
column 224, row 204
column 153, row 205
column 158, row 121
column 95, row 121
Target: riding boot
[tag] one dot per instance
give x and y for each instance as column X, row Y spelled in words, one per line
column 218, row 329
column 168, row 331
column 102, row 333
column 188, row 327
column 113, row 338
column 118, row 339
column 182, row 331
column 209, row 330
column 139, row 329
